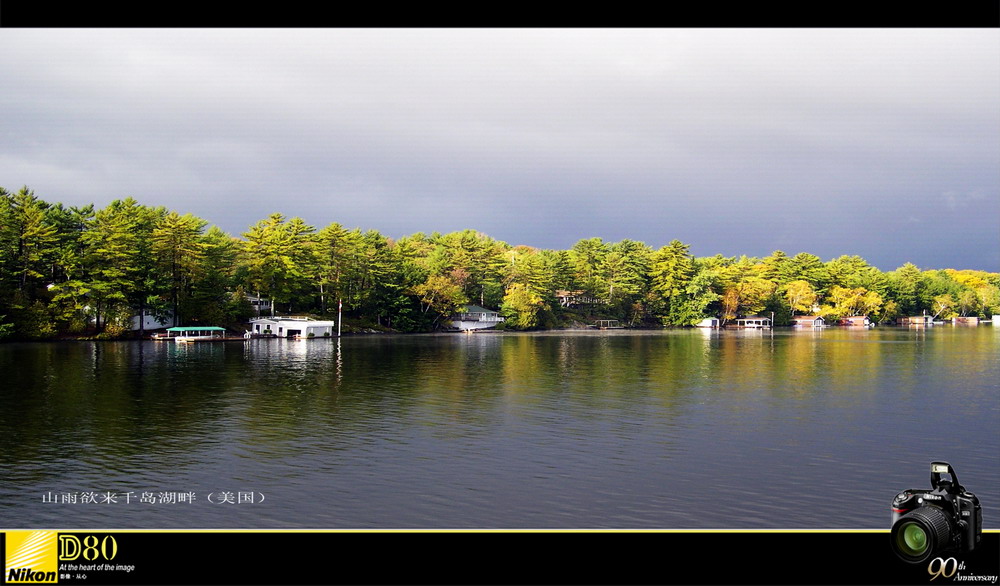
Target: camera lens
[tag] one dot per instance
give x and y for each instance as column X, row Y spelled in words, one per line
column 912, row 539
column 919, row 533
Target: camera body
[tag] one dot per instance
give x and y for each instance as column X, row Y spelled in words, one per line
column 946, row 517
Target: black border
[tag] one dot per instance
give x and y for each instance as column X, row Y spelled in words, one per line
column 855, row 14
column 519, row 557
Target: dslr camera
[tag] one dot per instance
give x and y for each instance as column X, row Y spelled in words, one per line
column 947, row 517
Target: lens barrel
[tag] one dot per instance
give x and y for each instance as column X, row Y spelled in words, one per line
column 920, row 533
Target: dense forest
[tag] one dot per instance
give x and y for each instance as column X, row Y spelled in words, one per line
column 84, row 272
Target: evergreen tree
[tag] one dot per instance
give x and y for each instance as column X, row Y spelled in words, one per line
column 121, row 274
column 672, row 272
column 178, row 251
column 279, row 259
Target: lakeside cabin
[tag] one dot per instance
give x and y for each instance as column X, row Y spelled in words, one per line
column 474, row 317
column 752, row 322
column 576, row 299
column 916, row 320
column 150, row 322
column 260, row 305
column 291, row 327
column 808, row 321
column 858, row 321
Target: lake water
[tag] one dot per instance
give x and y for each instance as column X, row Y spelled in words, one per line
column 617, row 429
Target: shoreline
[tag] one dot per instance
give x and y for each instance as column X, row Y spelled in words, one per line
column 373, row 332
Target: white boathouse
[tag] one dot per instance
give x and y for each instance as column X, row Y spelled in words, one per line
column 474, row 317
column 292, row 327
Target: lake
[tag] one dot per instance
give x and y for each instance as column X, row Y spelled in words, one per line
column 780, row 429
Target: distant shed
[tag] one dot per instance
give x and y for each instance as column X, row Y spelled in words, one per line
column 808, row 321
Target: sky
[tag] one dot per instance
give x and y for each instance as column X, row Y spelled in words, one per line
column 881, row 143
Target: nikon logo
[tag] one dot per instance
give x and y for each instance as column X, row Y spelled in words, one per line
column 31, row 557
column 27, row 575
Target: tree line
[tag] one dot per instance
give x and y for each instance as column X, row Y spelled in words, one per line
column 75, row 271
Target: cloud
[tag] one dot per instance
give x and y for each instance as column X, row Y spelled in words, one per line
column 956, row 201
column 535, row 136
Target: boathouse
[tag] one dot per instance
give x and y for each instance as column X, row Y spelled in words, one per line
column 291, row 327
column 474, row 317
column 861, row 321
column 753, row 321
column 808, row 321
column 916, row 320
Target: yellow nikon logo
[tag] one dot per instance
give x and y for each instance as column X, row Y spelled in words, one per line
column 32, row 557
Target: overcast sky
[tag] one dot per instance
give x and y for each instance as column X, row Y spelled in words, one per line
column 884, row 143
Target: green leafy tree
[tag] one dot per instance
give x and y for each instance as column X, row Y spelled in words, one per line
column 849, row 302
column 989, row 299
column 521, row 307
column 968, row 303
column 801, row 296
column 745, row 291
column 890, row 311
column 943, row 306
column 745, row 297
column 907, row 285
column 440, row 297
column 703, row 296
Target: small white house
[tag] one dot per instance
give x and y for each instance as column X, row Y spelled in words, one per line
column 292, row 327
column 753, row 322
column 150, row 322
column 260, row 305
column 708, row 322
column 473, row 317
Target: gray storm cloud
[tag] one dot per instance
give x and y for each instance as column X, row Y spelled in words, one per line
column 735, row 141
